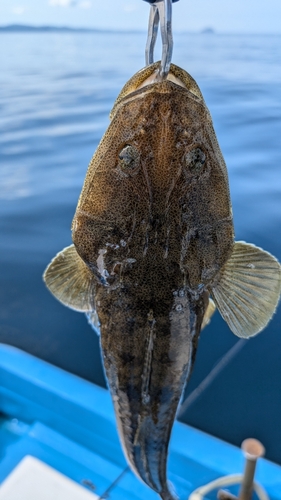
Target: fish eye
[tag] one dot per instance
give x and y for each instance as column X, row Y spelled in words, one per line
column 195, row 159
column 128, row 158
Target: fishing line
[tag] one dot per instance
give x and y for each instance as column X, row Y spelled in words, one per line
column 105, row 494
column 224, row 361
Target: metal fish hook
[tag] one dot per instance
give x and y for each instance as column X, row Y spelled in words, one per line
column 161, row 10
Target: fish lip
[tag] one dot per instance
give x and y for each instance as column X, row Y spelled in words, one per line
column 140, row 92
column 166, row 87
column 161, row 87
column 134, row 88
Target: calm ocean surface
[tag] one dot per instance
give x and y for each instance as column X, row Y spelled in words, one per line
column 56, row 91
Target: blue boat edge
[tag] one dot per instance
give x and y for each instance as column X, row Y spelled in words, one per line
column 68, row 423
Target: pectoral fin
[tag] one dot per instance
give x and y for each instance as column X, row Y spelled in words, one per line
column 208, row 314
column 248, row 291
column 70, row 281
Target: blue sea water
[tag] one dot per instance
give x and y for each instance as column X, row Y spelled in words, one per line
column 56, row 91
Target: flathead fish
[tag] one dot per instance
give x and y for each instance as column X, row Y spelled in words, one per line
column 153, row 242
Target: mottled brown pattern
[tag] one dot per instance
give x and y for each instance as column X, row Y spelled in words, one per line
column 154, row 225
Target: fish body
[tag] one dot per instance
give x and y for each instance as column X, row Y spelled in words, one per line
column 153, row 239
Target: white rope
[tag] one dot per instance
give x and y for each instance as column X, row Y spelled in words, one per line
column 199, row 493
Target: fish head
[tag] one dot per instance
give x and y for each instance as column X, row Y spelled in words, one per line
column 157, row 184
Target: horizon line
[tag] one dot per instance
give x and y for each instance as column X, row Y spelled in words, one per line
column 30, row 27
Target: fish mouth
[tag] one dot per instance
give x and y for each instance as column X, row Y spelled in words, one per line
column 145, row 81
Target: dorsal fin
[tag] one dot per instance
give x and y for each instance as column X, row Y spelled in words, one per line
column 70, row 281
column 248, row 290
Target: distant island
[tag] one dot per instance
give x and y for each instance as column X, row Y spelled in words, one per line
column 208, row 31
column 25, row 28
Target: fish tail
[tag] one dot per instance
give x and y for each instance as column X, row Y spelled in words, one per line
column 167, row 495
column 148, row 457
column 147, row 364
column 158, row 484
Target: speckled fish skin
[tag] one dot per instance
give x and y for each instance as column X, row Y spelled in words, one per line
column 155, row 232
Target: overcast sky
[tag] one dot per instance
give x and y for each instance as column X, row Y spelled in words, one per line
column 225, row 16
